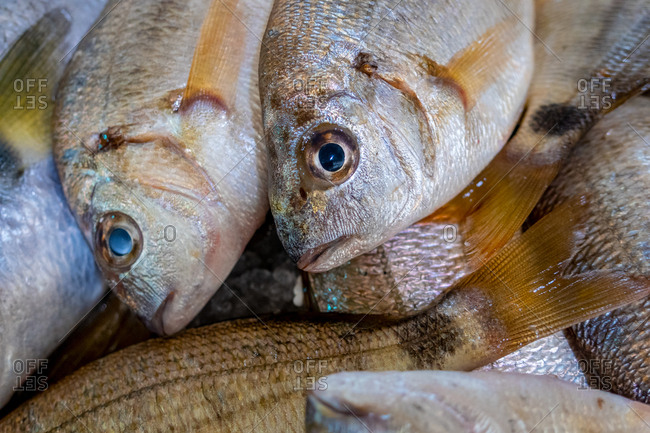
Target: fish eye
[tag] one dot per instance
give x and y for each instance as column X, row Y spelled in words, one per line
column 331, row 157
column 331, row 154
column 118, row 240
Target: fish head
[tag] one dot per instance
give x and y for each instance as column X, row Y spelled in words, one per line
column 162, row 233
column 346, row 172
column 360, row 402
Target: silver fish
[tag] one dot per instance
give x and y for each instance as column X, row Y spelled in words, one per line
column 378, row 113
column 48, row 279
column 446, row 401
column 612, row 166
column 165, row 173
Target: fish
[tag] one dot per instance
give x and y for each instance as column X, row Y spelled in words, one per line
column 612, row 164
column 399, row 277
column 591, row 57
column 253, row 374
column 16, row 16
column 157, row 142
column 450, row 401
column 379, row 113
column 48, row 278
column 403, row 276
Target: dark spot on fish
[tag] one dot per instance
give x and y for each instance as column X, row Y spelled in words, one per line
column 365, row 63
column 558, row 119
column 303, row 194
column 304, row 116
column 110, row 139
column 429, row 338
column 600, row 403
column 10, row 166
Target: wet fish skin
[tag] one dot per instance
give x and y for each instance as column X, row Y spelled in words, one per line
column 402, row 276
column 591, row 56
column 397, row 278
column 48, row 279
column 612, row 163
column 16, row 16
column 372, row 75
column 186, row 177
column 446, row 401
column 251, row 373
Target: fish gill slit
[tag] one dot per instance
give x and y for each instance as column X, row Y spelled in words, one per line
column 366, row 64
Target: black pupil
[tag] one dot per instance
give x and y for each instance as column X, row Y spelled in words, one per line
column 120, row 242
column 331, row 157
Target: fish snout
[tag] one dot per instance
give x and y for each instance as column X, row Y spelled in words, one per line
column 157, row 322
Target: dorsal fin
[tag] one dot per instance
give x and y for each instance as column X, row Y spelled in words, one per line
column 217, row 58
column 28, row 75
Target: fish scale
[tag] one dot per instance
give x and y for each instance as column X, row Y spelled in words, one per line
column 158, row 132
column 419, row 111
column 611, row 165
column 48, row 279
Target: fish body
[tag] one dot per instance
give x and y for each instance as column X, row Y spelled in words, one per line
column 16, row 16
column 158, row 151
column 447, row 401
column 378, row 113
column 48, row 278
column 403, row 275
column 397, row 278
column 253, row 374
column 612, row 165
column 590, row 57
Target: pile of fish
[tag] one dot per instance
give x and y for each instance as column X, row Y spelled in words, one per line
column 464, row 186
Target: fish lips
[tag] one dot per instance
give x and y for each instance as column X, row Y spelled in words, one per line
column 319, row 259
column 326, row 414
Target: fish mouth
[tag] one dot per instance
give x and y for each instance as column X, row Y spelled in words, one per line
column 157, row 322
column 312, row 260
column 326, row 414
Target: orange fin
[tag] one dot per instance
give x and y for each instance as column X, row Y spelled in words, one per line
column 471, row 70
column 530, row 295
column 498, row 201
column 217, row 58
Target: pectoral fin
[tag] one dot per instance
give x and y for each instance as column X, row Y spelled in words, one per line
column 576, row 84
column 529, row 294
column 217, row 58
column 474, row 69
column 29, row 72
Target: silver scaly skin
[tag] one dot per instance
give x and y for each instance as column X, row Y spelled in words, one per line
column 612, row 164
column 459, row 402
column 48, row 277
column 413, row 100
column 186, row 178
